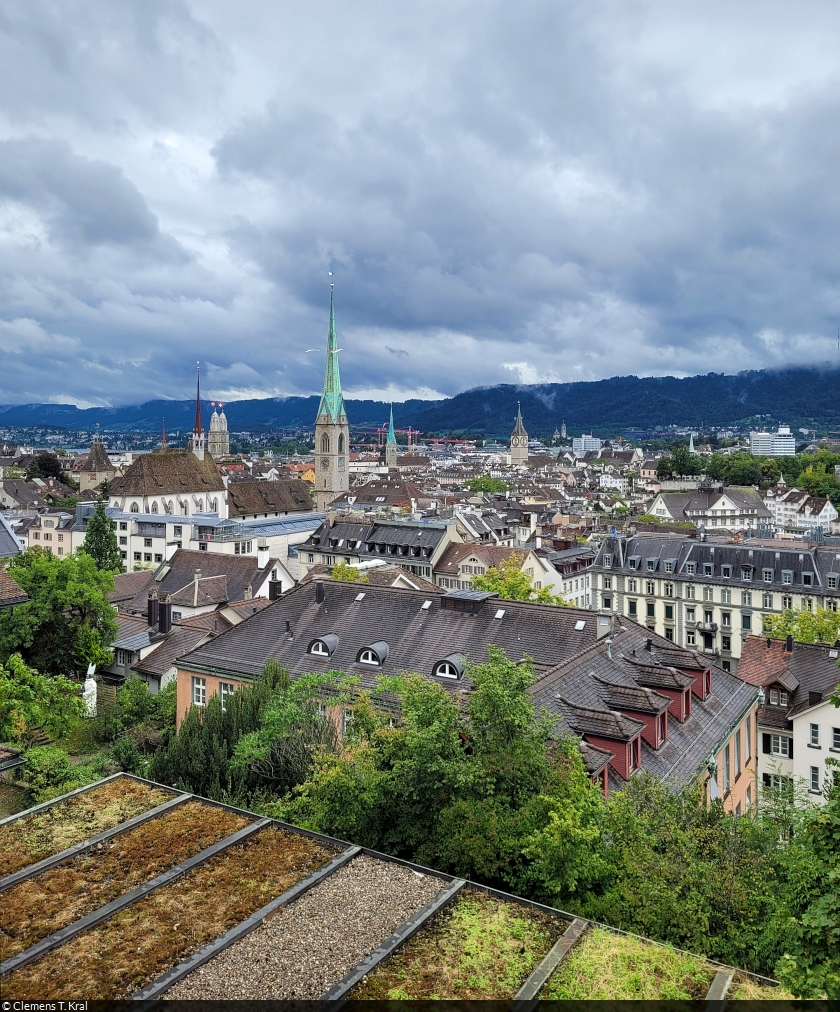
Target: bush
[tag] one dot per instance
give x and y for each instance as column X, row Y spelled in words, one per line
column 126, row 754
column 47, row 766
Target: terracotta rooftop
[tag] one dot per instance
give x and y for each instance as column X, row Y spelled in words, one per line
column 246, row 498
column 169, row 474
column 10, row 591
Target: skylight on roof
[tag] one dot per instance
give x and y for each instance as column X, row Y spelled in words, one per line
column 425, row 606
column 580, row 625
column 360, row 597
column 500, row 613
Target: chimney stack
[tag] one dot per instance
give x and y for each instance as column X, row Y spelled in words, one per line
column 789, row 645
column 152, row 607
column 165, row 615
column 319, row 592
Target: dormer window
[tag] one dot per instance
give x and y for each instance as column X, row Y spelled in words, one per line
column 807, row 579
column 778, row 697
column 746, row 572
column 634, row 561
column 690, row 568
column 708, row 569
column 608, row 562
column 726, row 571
column 651, row 564
column 450, row 667
column 325, row 646
column 374, row 655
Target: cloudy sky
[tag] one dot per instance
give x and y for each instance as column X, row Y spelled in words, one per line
column 506, row 192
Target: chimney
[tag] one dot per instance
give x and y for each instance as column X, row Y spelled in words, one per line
column 196, row 582
column 165, row 615
column 249, row 592
column 262, row 554
column 171, row 549
column 649, row 645
column 152, row 608
column 789, row 645
column 290, row 635
column 319, row 592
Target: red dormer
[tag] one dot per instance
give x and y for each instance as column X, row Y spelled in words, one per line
column 702, row 685
column 680, row 706
column 640, row 704
column 609, row 730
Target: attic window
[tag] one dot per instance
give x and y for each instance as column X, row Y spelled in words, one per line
column 359, row 597
column 500, row 614
column 423, row 607
column 634, row 561
column 580, row 625
column 651, row 564
column 449, row 667
column 319, row 649
column 608, row 561
column 374, row 655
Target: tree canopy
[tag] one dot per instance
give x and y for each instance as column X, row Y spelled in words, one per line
column 486, row 483
column 821, row 626
column 509, row 581
column 101, row 540
column 68, row 621
column 29, row 700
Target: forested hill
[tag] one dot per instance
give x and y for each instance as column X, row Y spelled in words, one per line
column 801, row 397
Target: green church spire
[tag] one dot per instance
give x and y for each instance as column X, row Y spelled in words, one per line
column 332, row 400
column 392, row 437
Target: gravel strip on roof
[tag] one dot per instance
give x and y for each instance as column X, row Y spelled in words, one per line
column 310, row 945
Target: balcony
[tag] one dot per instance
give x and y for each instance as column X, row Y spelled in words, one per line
column 706, row 627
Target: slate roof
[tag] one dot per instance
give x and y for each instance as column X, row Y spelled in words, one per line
column 376, row 539
column 181, row 639
column 381, row 576
column 418, row 637
column 385, row 492
column 10, row 591
column 588, row 682
column 170, row 473
column 9, row 544
column 246, row 498
column 223, row 578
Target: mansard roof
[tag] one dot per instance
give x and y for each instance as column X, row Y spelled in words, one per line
column 170, row 473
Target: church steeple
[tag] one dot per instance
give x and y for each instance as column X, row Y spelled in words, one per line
column 332, row 399
column 332, row 431
column 198, row 439
column 518, row 441
column 391, row 444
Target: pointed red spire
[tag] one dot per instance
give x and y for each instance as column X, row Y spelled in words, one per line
column 198, row 429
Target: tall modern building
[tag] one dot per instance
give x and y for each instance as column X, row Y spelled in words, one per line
column 773, row 444
column 518, row 442
column 583, row 444
column 391, row 444
column 332, row 430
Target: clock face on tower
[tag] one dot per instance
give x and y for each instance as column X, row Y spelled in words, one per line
column 325, row 463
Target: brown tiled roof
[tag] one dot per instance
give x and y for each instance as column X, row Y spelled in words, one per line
column 211, row 621
column 97, row 459
column 489, row 555
column 658, row 676
column 169, row 474
column 210, row 590
column 632, row 697
column 10, row 591
column 250, row 606
column 281, row 496
column 608, row 723
column 127, row 586
column 382, row 576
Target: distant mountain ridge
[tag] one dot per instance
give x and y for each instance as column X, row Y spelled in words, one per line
column 801, row 397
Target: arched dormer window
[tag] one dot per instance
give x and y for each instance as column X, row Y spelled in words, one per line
column 341, row 442
column 324, row 646
column 374, row 655
column 135, row 508
column 154, row 507
column 450, row 667
column 325, row 443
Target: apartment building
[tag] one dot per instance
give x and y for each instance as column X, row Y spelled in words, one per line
column 735, row 508
column 773, row 444
column 711, row 595
column 796, row 510
column 798, row 725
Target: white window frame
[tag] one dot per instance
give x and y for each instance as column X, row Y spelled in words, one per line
column 319, row 649
column 446, row 670
column 367, row 656
column 814, row 734
column 199, row 691
column 780, row 745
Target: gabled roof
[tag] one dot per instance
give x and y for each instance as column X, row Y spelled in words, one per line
column 246, row 498
column 604, row 723
column 170, row 473
column 632, row 697
column 180, row 640
column 490, row 555
column 11, row 592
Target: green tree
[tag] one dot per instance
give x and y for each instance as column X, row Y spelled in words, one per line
column 665, row 467
column 811, row 966
column 684, row 463
column 346, row 573
column 822, row 626
column 486, row 483
column 101, row 541
column 66, row 596
column 29, row 700
column 509, row 581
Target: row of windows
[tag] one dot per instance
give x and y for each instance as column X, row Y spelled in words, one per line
column 325, row 443
column 814, row 735
column 746, row 573
column 668, row 590
column 47, row 536
column 169, row 507
column 147, row 557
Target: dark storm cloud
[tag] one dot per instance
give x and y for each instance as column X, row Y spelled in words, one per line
column 504, row 192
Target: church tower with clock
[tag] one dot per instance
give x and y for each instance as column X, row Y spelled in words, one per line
column 519, row 442
column 332, row 430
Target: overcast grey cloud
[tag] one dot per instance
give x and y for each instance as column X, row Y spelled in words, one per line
column 505, row 193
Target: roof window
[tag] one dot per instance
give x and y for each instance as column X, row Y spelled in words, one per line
column 500, row 614
column 359, row 597
column 450, row 667
column 373, row 655
column 425, row 606
column 580, row 625
column 323, row 647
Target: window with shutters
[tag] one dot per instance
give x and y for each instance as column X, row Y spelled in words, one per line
column 778, row 744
